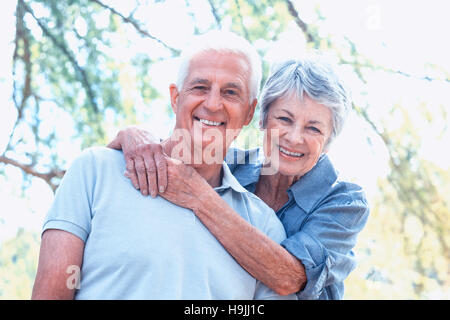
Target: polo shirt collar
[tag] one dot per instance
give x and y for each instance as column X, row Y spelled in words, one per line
column 229, row 181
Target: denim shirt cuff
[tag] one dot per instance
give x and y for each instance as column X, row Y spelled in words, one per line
column 316, row 273
column 316, row 278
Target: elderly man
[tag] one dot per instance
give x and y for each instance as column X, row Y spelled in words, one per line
column 127, row 246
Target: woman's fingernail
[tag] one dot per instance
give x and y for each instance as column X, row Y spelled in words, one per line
column 161, row 189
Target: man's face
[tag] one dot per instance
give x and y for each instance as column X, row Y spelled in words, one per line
column 213, row 105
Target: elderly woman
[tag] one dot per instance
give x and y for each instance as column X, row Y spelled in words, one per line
column 303, row 108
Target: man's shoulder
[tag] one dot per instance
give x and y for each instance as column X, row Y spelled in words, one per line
column 98, row 156
column 102, row 153
column 90, row 162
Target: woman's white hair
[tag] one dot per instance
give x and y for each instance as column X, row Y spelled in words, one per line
column 223, row 41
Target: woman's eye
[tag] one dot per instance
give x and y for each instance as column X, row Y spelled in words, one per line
column 314, row 129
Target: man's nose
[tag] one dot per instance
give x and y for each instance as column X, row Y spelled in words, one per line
column 214, row 100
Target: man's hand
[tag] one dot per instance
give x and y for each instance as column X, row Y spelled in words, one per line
column 145, row 162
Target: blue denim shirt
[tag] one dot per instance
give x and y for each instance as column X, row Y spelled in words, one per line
column 322, row 219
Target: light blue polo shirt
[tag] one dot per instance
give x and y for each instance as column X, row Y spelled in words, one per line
column 140, row 247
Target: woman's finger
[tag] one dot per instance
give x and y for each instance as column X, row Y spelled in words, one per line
column 130, row 172
column 151, row 173
column 141, row 175
column 161, row 168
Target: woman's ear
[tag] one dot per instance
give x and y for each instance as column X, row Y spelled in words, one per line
column 174, row 97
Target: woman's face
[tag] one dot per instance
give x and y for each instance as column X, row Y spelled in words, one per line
column 296, row 133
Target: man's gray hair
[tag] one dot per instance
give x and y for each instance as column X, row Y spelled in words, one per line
column 223, row 41
column 313, row 77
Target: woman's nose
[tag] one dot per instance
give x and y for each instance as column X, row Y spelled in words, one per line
column 295, row 135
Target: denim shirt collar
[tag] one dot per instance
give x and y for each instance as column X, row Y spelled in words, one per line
column 229, row 181
column 249, row 163
column 307, row 191
column 315, row 184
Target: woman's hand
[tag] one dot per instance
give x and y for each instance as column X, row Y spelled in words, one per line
column 185, row 186
column 145, row 161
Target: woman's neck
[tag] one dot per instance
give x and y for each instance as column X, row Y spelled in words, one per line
column 272, row 189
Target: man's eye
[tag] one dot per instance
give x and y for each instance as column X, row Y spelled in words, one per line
column 200, row 88
column 284, row 119
column 231, row 92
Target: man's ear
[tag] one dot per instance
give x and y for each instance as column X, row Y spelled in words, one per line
column 251, row 112
column 174, row 97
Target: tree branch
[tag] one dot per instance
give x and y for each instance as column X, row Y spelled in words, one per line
column 300, row 23
column 138, row 28
column 366, row 64
column 21, row 38
column 241, row 19
column 83, row 78
column 22, row 34
column 214, row 12
column 47, row 176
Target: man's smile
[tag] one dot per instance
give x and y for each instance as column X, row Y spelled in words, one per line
column 209, row 122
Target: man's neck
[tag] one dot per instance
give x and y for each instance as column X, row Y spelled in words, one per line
column 212, row 173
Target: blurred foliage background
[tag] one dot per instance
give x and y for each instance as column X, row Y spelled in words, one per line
column 75, row 71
